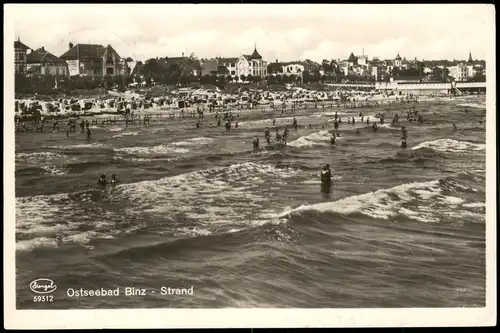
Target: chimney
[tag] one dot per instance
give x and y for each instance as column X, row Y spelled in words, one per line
column 183, row 54
column 43, row 48
column 276, row 60
column 70, row 45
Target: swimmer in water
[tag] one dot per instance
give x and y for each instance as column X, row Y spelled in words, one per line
column 102, row 180
column 113, row 179
column 332, row 139
column 89, row 133
column 358, row 132
column 267, row 135
column 404, row 133
column 198, row 124
column 454, row 127
column 256, row 142
column 403, row 143
column 326, row 177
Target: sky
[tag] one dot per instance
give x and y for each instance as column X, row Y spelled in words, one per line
column 281, row 32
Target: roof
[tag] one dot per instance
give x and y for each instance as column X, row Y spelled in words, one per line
column 228, row 60
column 222, row 70
column 210, row 65
column 19, row 45
column 351, row 58
column 398, row 57
column 41, row 55
column 87, row 51
column 256, row 55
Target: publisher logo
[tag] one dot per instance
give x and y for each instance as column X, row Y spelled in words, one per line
column 43, row 286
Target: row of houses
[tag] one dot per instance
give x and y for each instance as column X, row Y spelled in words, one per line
column 98, row 60
column 80, row 59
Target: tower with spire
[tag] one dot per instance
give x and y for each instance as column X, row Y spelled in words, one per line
column 470, row 57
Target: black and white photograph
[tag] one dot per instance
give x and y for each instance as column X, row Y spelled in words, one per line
column 268, row 157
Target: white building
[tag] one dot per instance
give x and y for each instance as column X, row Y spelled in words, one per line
column 293, row 69
column 362, row 60
column 251, row 65
column 461, row 71
column 398, row 61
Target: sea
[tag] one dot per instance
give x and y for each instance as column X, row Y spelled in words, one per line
column 250, row 228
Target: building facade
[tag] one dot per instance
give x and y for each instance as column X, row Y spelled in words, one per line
column 230, row 64
column 293, row 69
column 42, row 62
column 251, row 65
column 94, row 60
column 20, row 53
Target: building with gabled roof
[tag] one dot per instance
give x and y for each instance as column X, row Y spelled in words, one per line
column 42, row 62
column 250, row 65
column 20, row 52
column 94, row 60
column 209, row 67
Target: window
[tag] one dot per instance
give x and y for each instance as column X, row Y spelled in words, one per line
column 233, row 72
column 109, row 71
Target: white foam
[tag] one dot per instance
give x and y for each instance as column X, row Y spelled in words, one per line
column 212, row 196
column 28, row 245
column 378, row 204
column 450, row 145
column 473, row 105
column 54, row 170
column 318, row 138
column 451, row 200
column 193, row 142
column 154, row 150
column 120, row 135
column 37, row 157
column 83, row 145
column 474, row 205
column 116, row 129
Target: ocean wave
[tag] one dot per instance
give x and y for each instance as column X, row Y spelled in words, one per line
column 83, row 145
column 116, row 129
column 54, row 170
column 193, row 142
column 321, row 138
column 450, row 145
column 37, row 157
column 216, row 200
column 473, row 105
column 420, row 201
column 154, row 150
column 125, row 134
column 223, row 195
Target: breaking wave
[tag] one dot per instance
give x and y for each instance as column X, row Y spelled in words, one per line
column 450, row 145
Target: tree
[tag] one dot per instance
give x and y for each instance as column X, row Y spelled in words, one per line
column 306, row 77
column 242, row 77
column 316, row 77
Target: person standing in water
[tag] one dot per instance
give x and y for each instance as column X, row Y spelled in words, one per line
column 326, row 179
column 102, row 180
column 113, row 180
column 256, row 142
column 267, row 135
